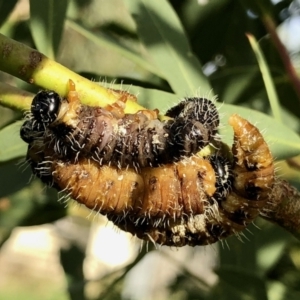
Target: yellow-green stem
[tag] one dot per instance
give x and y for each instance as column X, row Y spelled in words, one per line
column 14, row 98
column 32, row 66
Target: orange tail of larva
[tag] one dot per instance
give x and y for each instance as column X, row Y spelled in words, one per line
column 253, row 162
column 254, row 176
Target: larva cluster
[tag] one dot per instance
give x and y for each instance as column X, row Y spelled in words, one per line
column 109, row 136
column 238, row 197
column 191, row 200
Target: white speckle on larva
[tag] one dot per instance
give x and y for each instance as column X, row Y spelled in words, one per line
column 155, row 139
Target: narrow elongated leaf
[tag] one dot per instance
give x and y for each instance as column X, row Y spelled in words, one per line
column 108, row 42
column 232, row 84
column 160, row 30
column 11, row 144
column 272, row 241
column 32, row 205
column 13, row 177
column 6, row 8
column 246, row 284
column 46, row 24
column 266, row 74
column 241, row 252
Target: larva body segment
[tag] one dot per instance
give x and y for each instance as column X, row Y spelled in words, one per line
column 253, row 170
column 165, row 192
column 253, row 162
column 104, row 189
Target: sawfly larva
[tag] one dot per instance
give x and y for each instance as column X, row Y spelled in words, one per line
column 193, row 201
column 144, row 173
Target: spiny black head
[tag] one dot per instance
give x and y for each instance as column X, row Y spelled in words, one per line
column 45, row 107
column 30, row 131
column 200, row 109
column 205, row 111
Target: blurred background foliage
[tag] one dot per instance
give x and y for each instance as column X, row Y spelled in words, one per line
column 136, row 43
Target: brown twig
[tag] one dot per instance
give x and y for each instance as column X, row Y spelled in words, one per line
column 289, row 68
column 283, row 208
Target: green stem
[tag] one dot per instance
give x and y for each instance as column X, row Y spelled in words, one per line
column 32, row 66
column 14, row 98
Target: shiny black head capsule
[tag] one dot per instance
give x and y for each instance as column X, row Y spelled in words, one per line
column 26, row 132
column 45, row 107
column 44, row 110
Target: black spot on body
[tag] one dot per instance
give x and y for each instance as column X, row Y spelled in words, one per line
column 252, row 191
column 239, row 216
column 215, row 230
column 153, row 183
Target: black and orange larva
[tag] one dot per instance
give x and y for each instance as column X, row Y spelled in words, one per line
column 195, row 201
column 224, row 213
column 109, row 136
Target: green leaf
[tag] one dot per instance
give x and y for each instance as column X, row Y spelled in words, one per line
column 102, row 39
column 233, row 84
column 72, row 259
column 257, row 249
column 13, row 177
column 46, row 24
column 279, row 291
column 6, row 8
column 32, row 205
column 246, row 284
column 240, row 252
column 160, row 30
column 272, row 241
column 266, row 74
column 11, row 144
